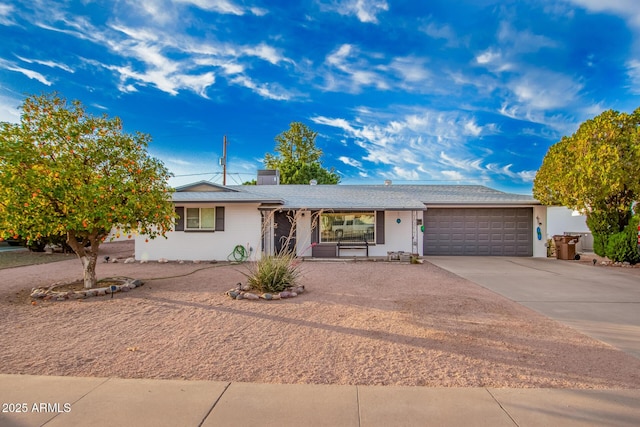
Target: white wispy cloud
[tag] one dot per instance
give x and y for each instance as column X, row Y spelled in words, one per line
column 50, row 64
column 544, row 89
column 462, row 164
column 365, row 10
column 410, row 69
column 471, row 128
column 267, row 53
column 629, row 10
column 218, row 6
column 350, row 69
column 349, row 161
column 420, row 144
column 6, row 15
column 275, row 92
column 166, row 57
column 527, row 91
column 494, row 60
column 9, row 109
column 476, row 167
column 12, row 66
column 633, row 72
column 354, row 71
column 522, row 41
column 453, row 175
column 406, row 174
column 441, row 31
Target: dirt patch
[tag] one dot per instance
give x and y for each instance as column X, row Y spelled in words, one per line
column 366, row 323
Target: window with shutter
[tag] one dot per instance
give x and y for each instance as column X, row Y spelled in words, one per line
column 220, row 218
column 179, row 225
column 380, row 227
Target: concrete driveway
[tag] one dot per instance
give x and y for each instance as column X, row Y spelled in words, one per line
column 602, row 302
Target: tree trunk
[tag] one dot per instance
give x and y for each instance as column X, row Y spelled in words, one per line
column 89, row 265
column 88, row 256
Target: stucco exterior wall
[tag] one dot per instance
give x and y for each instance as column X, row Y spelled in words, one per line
column 561, row 220
column 242, row 227
column 397, row 235
column 540, row 220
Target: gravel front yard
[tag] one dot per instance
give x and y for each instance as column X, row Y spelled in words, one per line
column 365, row 323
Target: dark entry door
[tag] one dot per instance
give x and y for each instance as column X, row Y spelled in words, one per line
column 284, row 239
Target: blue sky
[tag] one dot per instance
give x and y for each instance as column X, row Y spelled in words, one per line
column 469, row 92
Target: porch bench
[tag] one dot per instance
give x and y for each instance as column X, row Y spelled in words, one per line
column 364, row 244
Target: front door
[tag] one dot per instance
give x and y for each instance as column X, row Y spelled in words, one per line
column 284, row 240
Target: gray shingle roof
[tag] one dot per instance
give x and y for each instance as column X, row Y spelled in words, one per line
column 390, row 197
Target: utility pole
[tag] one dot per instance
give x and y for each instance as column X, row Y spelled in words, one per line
column 224, row 161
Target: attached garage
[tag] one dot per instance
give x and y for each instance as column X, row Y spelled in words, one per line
column 478, row 231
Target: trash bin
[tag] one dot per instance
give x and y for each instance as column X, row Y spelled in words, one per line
column 565, row 246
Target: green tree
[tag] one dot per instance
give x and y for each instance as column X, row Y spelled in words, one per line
column 297, row 157
column 595, row 171
column 63, row 171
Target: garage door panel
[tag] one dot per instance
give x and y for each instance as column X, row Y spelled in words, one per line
column 479, row 231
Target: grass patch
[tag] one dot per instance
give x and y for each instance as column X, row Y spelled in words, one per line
column 10, row 259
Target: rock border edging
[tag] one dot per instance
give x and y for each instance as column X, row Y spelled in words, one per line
column 243, row 292
column 50, row 293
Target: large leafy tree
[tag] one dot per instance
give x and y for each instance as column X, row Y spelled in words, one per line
column 297, row 157
column 63, row 171
column 596, row 171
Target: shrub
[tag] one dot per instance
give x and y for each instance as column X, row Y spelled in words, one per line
column 600, row 244
column 603, row 224
column 274, row 273
column 622, row 246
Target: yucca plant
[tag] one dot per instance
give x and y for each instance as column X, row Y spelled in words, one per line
column 274, row 273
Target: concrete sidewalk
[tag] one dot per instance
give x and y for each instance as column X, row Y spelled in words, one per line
column 73, row 401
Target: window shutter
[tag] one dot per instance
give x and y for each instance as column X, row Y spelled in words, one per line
column 380, row 227
column 179, row 225
column 220, row 218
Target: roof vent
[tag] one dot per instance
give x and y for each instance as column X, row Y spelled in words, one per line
column 268, row 177
column 313, row 182
column 387, row 182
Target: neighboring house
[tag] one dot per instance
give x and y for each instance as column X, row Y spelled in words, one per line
column 349, row 220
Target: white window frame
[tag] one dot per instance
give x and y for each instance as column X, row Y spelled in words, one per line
column 331, row 236
column 199, row 227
